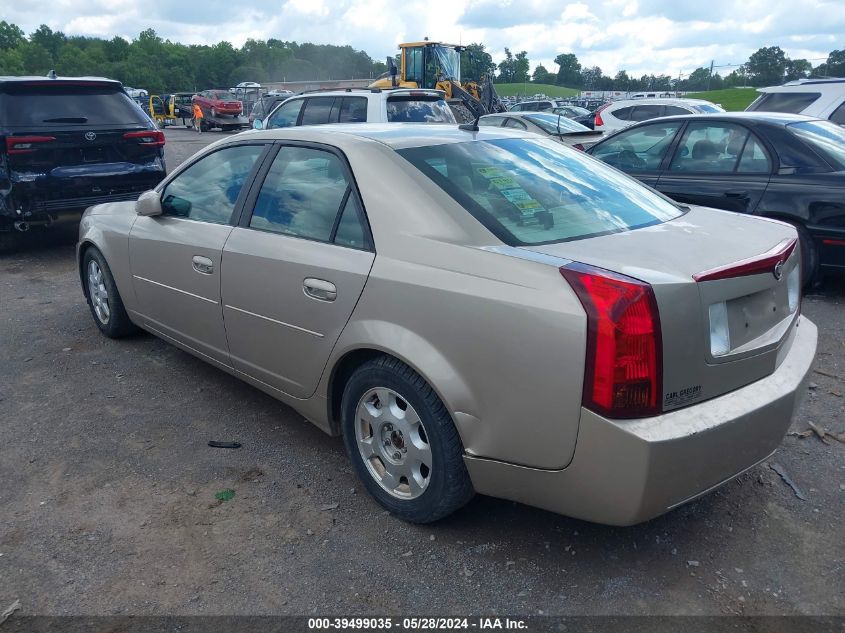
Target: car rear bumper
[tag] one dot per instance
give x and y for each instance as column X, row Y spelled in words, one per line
column 628, row 471
column 71, row 189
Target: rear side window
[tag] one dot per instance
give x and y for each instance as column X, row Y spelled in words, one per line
column 413, row 109
column 63, row 105
column 671, row 110
column 646, row 112
column 838, row 115
column 793, row 102
column 317, row 111
column 622, row 114
column 534, row 191
column 719, row 148
column 302, row 196
column 825, row 137
column 353, row 110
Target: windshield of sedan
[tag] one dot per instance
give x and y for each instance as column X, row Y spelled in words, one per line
column 824, row 136
column 530, row 191
column 556, row 124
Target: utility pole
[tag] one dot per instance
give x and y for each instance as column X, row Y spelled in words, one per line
column 710, row 76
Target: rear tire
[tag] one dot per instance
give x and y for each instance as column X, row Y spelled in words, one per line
column 103, row 297
column 415, row 467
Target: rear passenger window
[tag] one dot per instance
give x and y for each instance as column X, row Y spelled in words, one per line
column 353, row 110
column 302, row 195
column 350, row 231
column 646, row 112
column 622, row 113
column 754, row 159
column 671, row 110
column 317, row 111
column 838, row 115
column 713, row 148
column 793, row 102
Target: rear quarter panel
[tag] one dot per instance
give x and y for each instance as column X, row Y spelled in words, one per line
column 500, row 339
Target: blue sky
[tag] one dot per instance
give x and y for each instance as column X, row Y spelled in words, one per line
column 640, row 36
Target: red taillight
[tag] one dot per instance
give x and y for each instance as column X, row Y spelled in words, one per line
column 623, row 377
column 597, row 120
column 24, row 144
column 147, row 138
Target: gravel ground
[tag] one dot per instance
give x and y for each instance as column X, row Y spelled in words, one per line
column 108, row 503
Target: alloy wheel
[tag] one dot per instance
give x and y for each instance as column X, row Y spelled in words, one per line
column 98, row 292
column 393, row 443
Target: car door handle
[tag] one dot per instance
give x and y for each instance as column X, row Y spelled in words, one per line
column 736, row 194
column 320, row 289
column 203, row 265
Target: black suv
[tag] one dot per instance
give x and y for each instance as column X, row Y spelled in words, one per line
column 67, row 144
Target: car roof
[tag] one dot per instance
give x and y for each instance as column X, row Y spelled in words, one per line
column 393, row 135
column 660, row 101
column 775, row 118
column 339, row 92
column 43, row 80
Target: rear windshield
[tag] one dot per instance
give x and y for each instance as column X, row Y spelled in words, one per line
column 556, row 123
column 535, row 191
column 792, row 102
column 62, row 105
column 707, row 107
column 825, row 137
column 413, row 109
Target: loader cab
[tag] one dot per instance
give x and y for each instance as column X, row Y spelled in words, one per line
column 422, row 63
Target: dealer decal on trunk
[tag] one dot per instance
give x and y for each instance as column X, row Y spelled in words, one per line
column 683, row 396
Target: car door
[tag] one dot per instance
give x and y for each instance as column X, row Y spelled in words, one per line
column 294, row 268
column 641, row 151
column 175, row 257
column 718, row 164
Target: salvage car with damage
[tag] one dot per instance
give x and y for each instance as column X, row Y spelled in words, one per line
column 68, row 143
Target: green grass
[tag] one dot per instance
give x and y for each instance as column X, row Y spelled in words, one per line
column 731, row 99
column 511, row 90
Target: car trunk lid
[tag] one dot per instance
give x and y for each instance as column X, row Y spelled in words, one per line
column 726, row 290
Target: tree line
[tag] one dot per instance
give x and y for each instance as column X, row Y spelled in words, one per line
column 160, row 65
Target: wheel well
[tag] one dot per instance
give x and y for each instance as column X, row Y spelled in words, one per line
column 340, row 376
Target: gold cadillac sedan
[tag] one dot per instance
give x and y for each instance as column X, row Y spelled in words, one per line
column 473, row 311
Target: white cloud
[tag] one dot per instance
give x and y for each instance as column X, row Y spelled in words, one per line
column 640, row 36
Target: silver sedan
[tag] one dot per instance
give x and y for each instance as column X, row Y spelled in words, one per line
column 472, row 311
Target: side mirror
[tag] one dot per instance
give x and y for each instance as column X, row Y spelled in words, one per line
column 258, row 124
column 148, row 204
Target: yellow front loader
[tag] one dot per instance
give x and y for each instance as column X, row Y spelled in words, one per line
column 437, row 65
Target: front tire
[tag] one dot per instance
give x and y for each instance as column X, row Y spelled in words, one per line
column 103, row 298
column 402, row 442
